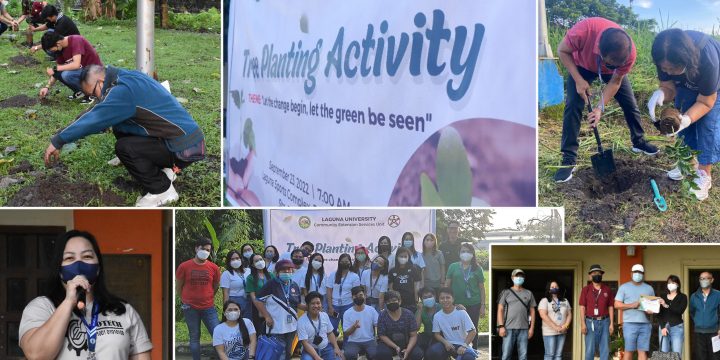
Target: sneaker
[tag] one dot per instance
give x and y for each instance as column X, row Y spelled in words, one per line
column 170, row 174
column 675, row 174
column 114, row 162
column 88, row 100
column 645, row 147
column 704, row 182
column 76, row 95
column 564, row 174
column 154, row 200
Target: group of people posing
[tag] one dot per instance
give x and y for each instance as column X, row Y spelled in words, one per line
column 516, row 316
column 688, row 69
column 379, row 302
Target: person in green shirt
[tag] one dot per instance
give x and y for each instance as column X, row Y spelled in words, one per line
column 259, row 276
column 424, row 315
column 467, row 282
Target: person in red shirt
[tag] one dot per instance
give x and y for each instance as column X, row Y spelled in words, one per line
column 596, row 310
column 73, row 53
column 31, row 11
column 197, row 280
column 597, row 48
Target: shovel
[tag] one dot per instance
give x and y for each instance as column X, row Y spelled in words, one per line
column 603, row 162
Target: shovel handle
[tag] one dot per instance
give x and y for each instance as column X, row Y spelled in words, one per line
column 595, row 131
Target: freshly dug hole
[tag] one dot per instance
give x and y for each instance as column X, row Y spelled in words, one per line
column 24, row 60
column 18, row 101
column 669, row 120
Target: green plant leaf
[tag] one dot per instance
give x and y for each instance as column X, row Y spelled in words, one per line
column 454, row 179
column 428, row 195
column 213, row 235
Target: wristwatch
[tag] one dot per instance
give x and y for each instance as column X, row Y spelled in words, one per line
column 500, row 326
column 54, row 68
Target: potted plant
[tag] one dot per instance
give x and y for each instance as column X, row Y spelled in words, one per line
column 617, row 343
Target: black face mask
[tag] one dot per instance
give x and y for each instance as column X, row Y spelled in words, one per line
column 384, row 248
column 597, row 278
column 359, row 301
column 343, row 265
column 297, row 261
column 393, row 306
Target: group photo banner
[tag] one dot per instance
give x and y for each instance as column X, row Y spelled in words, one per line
column 403, row 103
column 334, row 232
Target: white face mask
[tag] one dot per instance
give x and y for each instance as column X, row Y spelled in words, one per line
column 235, row 264
column 466, row 256
column 232, row 315
column 317, row 264
column 402, row 260
column 202, row 254
column 260, row 264
column 671, row 286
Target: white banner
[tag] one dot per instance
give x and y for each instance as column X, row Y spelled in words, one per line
column 334, row 232
column 377, row 103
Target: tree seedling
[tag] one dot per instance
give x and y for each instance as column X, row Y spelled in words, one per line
column 684, row 157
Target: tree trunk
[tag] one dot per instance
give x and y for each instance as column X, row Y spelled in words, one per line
column 92, row 10
column 164, row 17
column 110, row 10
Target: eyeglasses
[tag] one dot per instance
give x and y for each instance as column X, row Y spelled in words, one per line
column 701, row 279
column 95, row 87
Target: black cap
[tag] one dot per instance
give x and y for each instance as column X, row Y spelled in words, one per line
column 596, row 267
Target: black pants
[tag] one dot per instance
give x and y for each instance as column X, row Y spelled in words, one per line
column 702, row 347
column 144, row 158
column 574, row 106
column 474, row 312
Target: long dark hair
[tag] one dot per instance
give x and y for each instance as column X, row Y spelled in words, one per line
column 338, row 272
column 356, row 264
column 432, row 236
column 676, row 47
column 473, row 262
column 107, row 302
column 402, row 240
column 405, row 251
column 254, row 271
column 384, row 269
column 675, row 279
column 228, row 257
column 277, row 255
column 310, row 270
column 384, row 239
column 548, row 295
column 241, row 322
column 245, row 261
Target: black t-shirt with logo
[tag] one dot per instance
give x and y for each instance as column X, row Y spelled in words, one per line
column 403, row 281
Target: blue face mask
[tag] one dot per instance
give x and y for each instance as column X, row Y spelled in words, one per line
column 89, row 271
column 429, row 302
column 285, row 277
column 518, row 280
column 374, row 267
column 637, row 277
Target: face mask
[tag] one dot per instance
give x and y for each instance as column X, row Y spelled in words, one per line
column 704, row 284
column 89, row 271
column 466, row 256
column 597, row 278
column 408, row 243
column 402, row 260
column 429, row 302
column 260, row 264
column 269, row 255
column 672, row 287
column 317, row 264
column 248, row 254
column 359, row 301
column 202, row 254
column 297, row 261
column 285, row 277
column 305, row 252
column 360, row 257
column 232, row 315
column 384, row 248
column 375, row 267
column 518, row 280
column 392, row 306
column 554, row 290
column 235, row 264
column 344, row 265
column 637, row 277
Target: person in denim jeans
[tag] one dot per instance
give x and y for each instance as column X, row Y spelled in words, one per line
column 197, row 281
column 636, row 325
column 556, row 315
column 516, row 317
column 704, row 310
column 597, row 314
column 672, row 307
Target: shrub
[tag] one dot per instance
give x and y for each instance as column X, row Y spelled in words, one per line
column 205, row 21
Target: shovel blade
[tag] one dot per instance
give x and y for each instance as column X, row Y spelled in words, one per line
column 603, row 163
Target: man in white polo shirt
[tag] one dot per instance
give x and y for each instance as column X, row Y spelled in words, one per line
column 359, row 324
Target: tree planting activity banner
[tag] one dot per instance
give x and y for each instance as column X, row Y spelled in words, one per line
column 338, row 231
column 381, row 103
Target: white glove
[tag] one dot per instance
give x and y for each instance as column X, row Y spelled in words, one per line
column 656, row 99
column 685, row 121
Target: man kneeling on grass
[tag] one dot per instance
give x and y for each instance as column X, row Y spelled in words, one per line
column 155, row 135
column 72, row 54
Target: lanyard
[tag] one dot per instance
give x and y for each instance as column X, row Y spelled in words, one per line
column 317, row 329
column 372, row 286
column 342, row 282
column 317, row 282
column 261, row 281
column 242, row 277
column 467, row 275
column 92, row 328
column 286, row 292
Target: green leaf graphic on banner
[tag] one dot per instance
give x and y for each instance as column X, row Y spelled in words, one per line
column 249, row 135
column 237, row 98
column 428, row 195
column 454, row 178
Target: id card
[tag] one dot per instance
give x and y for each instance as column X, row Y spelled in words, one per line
column 91, row 355
column 597, row 312
column 289, row 319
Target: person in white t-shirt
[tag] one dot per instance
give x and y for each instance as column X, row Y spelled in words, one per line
column 453, row 329
column 233, row 281
column 314, row 278
column 56, row 326
column 556, row 315
column 234, row 338
column 359, row 323
column 339, row 283
column 315, row 332
column 376, row 283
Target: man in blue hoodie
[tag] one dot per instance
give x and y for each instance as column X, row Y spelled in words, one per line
column 704, row 305
column 156, row 137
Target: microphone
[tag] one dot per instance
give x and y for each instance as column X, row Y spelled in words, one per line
column 81, row 297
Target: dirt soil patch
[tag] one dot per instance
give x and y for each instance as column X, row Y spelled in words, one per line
column 24, row 60
column 54, row 190
column 669, row 121
column 22, row 167
column 18, row 101
column 611, row 205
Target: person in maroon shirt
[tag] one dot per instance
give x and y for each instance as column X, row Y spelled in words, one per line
column 73, row 53
column 596, row 308
column 197, row 281
column 31, row 11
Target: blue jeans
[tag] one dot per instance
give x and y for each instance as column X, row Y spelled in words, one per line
column 3, row 27
column 245, row 305
column 353, row 349
column 286, row 339
column 554, row 346
column 637, row 336
column 437, row 351
column 703, row 134
column 674, row 341
column 328, row 353
column 597, row 339
column 192, row 319
column 70, row 79
column 514, row 337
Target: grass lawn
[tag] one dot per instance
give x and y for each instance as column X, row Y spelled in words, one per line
column 189, row 61
column 622, row 210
